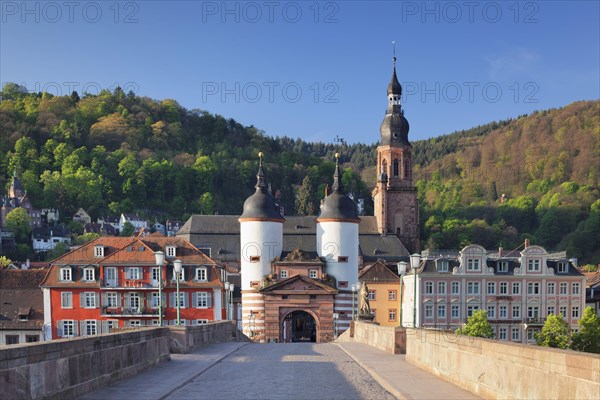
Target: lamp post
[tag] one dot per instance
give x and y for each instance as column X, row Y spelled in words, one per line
column 415, row 259
column 525, row 338
column 353, row 293
column 230, row 306
column 226, row 284
column 335, row 326
column 177, row 267
column 159, row 257
column 402, row 265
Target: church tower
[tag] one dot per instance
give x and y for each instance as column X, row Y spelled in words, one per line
column 395, row 196
column 261, row 240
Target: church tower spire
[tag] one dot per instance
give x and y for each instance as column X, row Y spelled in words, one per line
column 395, row 196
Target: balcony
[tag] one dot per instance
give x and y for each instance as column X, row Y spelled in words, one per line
column 128, row 284
column 128, row 312
column 534, row 321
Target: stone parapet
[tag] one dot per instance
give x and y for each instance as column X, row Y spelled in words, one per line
column 185, row 339
column 387, row 338
column 70, row 368
column 494, row 369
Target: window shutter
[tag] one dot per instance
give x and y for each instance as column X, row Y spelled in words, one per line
column 195, row 299
column 97, row 327
column 96, row 300
column 118, row 299
column 194, row 321
column 104, row 327
column 75, row 328
column 127, row 274
column 104, row 301
column 209, row 300
column 171, row 299
column 82, row 327
column 186, row 298
column 81, row 300
column 149, row 299
column 59, row 328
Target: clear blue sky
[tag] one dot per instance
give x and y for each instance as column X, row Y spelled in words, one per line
column 461, row 63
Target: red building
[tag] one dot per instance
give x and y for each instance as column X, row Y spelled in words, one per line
column 114, row 282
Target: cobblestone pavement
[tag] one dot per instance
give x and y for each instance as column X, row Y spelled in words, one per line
column 284, row 371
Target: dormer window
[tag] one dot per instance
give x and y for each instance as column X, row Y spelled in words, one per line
column 89, row 275
column 442, row 266
column 473, row 264
column 171, row 251
column 98, row 251
column 181, row 275
column 201, row 274
column 502, row 266
column 563, row 267
column 533, row 265
column 65, row 274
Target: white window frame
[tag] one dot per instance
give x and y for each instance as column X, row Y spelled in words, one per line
column 441, row 287
column 98, row 251
column 429, row 311
column 283, row 274
column 429, row 287
column 551, row 288
column 551, row 310
column 562, row 268
column 455, row 288
column 66, row 300
column 502, row 266
column 129, row 274
column 313, row 274
column 442, row 266
column 171, row 251
column 491, row 311
column 563, row 288
column 112, row 299
column 89, row 300
column 181, row 275
column 502, row 334
column 473, row 288
column 533, row 288
column 66, row 274
column 455, row 311
column 201, row 274
column 491, row 288
column 473, row 264
column 503, row 288
column 392, row 294
column 503, row 311
column 91, row 327
column 575, row 288
column 68, row 323
column 516, row 334
column 516, row 312
column 201, row 300
column 441, row 311
column 516, row 287
column 89, row 274
column 201, row 321
column 533, row 265
column 563, row 310
column 533, row 312
column 372, row 294
column 471, row 310
column 575, row 312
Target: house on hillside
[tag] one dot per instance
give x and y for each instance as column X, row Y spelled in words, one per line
column 173, row 226
column 134, row 220
column 46, row 238
column 110, row 220
column 15, row 198
column 115, row 282
column 50, row 216
column 21, row 306
column 100, row 229
column 82, row 217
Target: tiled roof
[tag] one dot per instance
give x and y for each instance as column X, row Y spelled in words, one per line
column 377, row 272
column 592, row 278
column 20, row 293
column 84, row 255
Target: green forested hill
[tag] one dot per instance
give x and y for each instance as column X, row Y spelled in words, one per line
column 116, row 152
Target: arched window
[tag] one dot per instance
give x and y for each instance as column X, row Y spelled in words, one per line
column 407, row 171
column 396, row 167
column 384, row 166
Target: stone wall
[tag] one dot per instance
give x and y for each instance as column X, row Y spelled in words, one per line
column 387, row 338
column 69, row 368
column 185, row 339
column 494, row 369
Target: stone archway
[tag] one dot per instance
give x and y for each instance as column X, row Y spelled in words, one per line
column 299, row 326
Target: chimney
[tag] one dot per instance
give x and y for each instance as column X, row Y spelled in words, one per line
column 26, row 265
column 500, row 250
column 527, row 243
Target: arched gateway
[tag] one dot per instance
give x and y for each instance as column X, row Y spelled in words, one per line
column 298, row 326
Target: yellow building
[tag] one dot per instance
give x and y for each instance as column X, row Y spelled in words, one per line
column 384, row 293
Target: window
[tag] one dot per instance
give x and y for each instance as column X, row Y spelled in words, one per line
column 66, row 328
column 455, row 287
column 562, row 267
column 205, row 250
column 392, row 295
column 442, row 266
column 533, row 265
column 472, row 287
column 563, row 311
column 428, row 311
column 201, row 274
column 516, row 288
column 392, row 314
column 134, row 300
column 171, row 251
column 491, row 312
column 283, row 273
column 343, row 259
column 503, row 288
column 66, row 300
column 471, row 310
column 88, row 275
column 551, row 288
column 313, row 273
column 428, row 287
column 65, row 274
column 455, row 311
column 533, row 312
column 575, row 289
column 502, row 334
column 111, row 299
column 90, row 327
column 551, row 310
column 503, row 312
column 516, row 334
column 12, row 339
column 472, row 264
column 563, row 288
column 32, row 338
column 441, row 311
column 533, row 288
column 201, row 300
column 502, row 266
column 98, row 251
column 343, row 284
column 441, row 287
column 201, row 321
column 132, row 273
column 133, row 322
column 88, row 300
column 575, row 312
column 516, row 312
column 254, row 258
column 372, row 294
column 491, row 286
column 154, row 300
column 182, row 300
column 396, row 167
